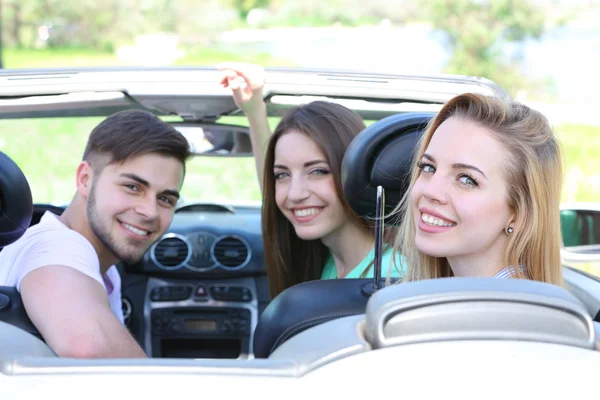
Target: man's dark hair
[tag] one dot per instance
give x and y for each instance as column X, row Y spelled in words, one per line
column 133, row 133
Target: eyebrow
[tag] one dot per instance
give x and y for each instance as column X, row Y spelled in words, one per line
column 458, row 165
column 306, row 164
column 145, row 183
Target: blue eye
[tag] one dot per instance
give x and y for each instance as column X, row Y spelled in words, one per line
column 280, row 175
column 467, row 180
column 319, row 171
column 427, row 168
column 131, row 186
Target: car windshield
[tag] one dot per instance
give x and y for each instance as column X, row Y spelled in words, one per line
column 55, row 147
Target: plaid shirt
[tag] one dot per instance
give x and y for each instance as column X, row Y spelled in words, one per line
column 507, row 272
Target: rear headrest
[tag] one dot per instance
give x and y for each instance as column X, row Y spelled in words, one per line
column 305, row 305
column 477, row 308
column 16, row 205
column 382, row 154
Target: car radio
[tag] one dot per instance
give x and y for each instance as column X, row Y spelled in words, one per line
column 200, row 332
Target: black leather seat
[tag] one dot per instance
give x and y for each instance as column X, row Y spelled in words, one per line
column 305, row 305
column 40, row 209
column 382, row 155
column 16, row 206
column 16, row 210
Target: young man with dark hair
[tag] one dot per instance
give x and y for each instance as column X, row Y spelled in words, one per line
column 128, row 184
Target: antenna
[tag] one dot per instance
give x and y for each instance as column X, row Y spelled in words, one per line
column 369, row 288
column 379, row 226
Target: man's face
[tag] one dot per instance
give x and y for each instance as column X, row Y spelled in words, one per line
column 131, row 205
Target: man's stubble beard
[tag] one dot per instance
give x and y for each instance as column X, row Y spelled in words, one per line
column 102, row 232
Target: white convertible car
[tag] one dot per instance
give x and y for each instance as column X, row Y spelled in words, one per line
column 198, row 301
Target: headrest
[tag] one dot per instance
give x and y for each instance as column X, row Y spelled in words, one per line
column 16, row 205
column 477, row 309
column 306, row 305
column 382, row 154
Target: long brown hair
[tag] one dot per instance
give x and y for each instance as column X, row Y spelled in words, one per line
column 534, row 173
column 289, row 259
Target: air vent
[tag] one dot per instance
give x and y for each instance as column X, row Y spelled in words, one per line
column 231, row 252
column 171, row 252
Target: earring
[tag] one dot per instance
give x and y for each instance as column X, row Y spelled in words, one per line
column 509, row 230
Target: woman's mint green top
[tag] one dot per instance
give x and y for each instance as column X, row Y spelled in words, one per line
column 398, row 268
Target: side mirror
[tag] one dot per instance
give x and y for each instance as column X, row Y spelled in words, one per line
column 580, row 226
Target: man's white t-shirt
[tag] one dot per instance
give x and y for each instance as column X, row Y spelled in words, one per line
column 50, row 242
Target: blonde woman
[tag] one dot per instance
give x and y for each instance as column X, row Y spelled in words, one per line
column 484, row 195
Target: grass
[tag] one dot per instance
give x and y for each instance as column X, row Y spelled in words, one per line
column 581, row 148
column 49, row 58
column 66, row 57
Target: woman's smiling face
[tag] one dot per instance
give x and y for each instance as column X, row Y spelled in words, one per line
column 305, row 189
column 460, row 198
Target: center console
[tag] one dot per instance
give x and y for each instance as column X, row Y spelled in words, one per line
column 200, row 319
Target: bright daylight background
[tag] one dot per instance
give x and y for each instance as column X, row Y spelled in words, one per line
column 543, row 52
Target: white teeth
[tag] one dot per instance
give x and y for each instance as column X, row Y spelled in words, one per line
column 431, row 220
column 135, row 230
column 306, row 212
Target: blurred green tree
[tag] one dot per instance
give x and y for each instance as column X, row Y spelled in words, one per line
column 85, row 23
column 245, row 6
column 478, row 32
column 106, row 24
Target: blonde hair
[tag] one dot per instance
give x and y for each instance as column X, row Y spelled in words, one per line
column 534, row 176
